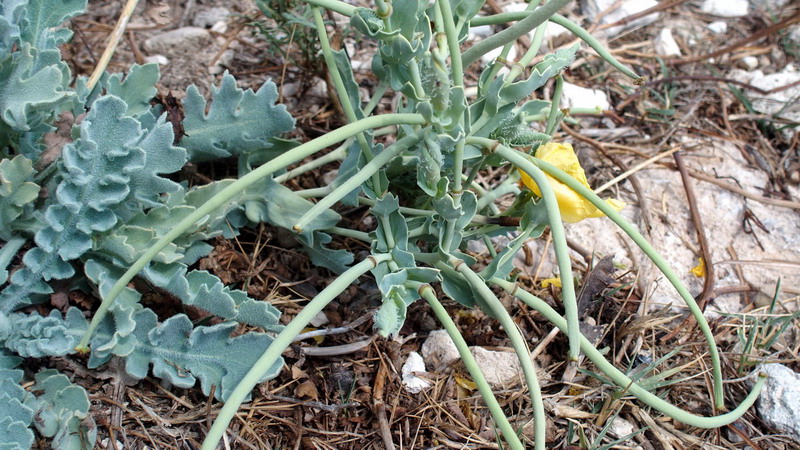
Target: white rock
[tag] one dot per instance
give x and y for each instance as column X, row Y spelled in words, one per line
column 726, row 8
column 413, row 383
column 187, row 39
column 480, row 32
column 319, row 320
column 750, row 61
column 161, row 60
column 783, row 102
column 718, row 26
column 208, row 17
column 574, row 96
column 665, row 44
column 501, row 369
column 591, row 8
column 621, row 427
column 778, row 403
column 439, row 351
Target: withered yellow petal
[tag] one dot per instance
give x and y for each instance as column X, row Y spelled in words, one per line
column 547, row 282
column 573, row 207
column 700, row 269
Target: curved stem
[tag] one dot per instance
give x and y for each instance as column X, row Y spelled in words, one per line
column 341, row 91
column 347, row 232
column 472, row 367
column 369, row 170
column 552, row 116
column 621, row 380
column 534, row 19
column 557, row 231
column 227, row 194
column 281, row 342
column 342, row 8
column 573, row 27
column 517, row 342
column 335, row 155
column 660, row 262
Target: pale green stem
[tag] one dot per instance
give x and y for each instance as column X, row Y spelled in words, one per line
column 457, row 72
column 342, row 8
column 490, row 246
column 472, row 367
column 531, row 53
column 573, row 27
column 534, row 19
column 363, row 174
column 341, row 91
column 376, row 98
column 281, row 343
column 450, row 31
column 489, row 197
column 651, row 253
column 554, row 111
column 517, row 342
column 572, row 111
column 227, row 194
column 315, row 192
column 556, row 231
column 621, row 380
column 335, row 155
column 347, row 232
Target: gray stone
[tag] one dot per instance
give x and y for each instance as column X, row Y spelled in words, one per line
column 191, row 40
column 501, row 369
column 208, row 17
column 621, row 428
column 439, row 351
column 778, row 403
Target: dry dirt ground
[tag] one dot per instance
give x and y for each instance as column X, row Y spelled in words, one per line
column 742, row 216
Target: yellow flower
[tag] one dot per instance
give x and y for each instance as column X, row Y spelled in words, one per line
column 547, row 282
column 700, row 269
column 574, row 208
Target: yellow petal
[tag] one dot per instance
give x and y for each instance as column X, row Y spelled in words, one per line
column 573, row 207
column 546, row 282
column 700, row 269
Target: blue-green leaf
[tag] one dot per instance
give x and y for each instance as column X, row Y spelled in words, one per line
column 237, row 121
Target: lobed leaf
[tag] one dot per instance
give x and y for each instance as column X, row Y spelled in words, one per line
column 235, row 122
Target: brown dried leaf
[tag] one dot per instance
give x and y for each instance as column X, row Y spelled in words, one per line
column 307, row 389
column 158, row 12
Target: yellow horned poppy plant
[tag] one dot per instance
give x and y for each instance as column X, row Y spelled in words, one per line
column 573, row 207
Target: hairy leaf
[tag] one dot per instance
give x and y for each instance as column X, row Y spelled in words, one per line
column 42, row 16
column 31, row 89
column 182, row 354
column 62, row 412
column 11, row 14
column 16, row 192
column 237, row 121
column 35, row 336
